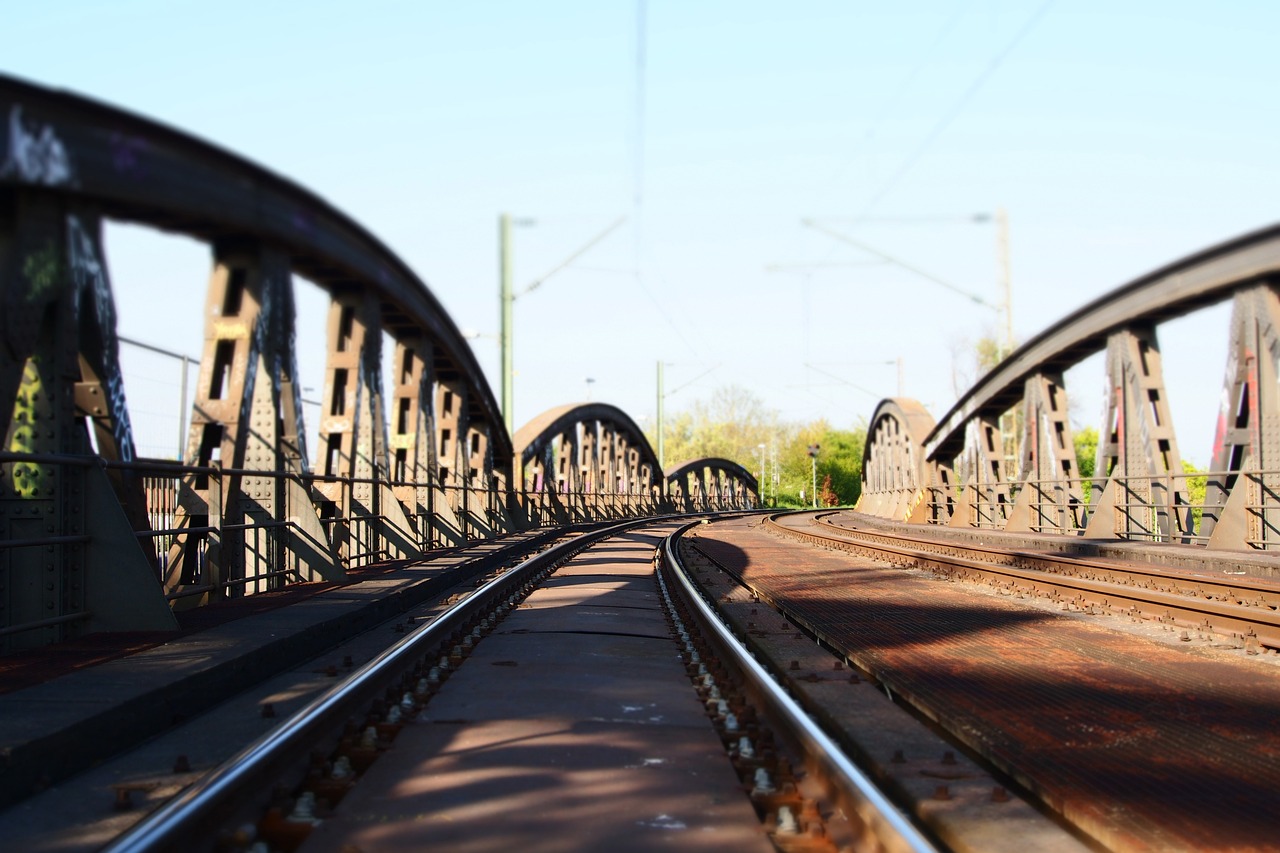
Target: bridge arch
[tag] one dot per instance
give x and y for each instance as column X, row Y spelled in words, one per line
column 711, row 484
column 585, row 460
column 1139, row 489
column 248, row 508
column 893, row 470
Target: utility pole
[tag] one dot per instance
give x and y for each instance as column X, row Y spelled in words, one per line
column 1006, row 275
column 662, row 461
column 505, row 300
column 1008, row 423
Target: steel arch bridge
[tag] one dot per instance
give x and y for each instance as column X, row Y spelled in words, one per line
column 94, row 538
column 954, row 473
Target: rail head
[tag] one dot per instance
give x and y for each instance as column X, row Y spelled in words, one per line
column 857, row 793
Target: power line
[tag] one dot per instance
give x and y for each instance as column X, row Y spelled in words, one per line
column 958, row 107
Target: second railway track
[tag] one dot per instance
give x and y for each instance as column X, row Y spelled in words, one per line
column 1244, row 610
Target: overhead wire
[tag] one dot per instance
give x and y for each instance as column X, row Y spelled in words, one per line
column 958, row 107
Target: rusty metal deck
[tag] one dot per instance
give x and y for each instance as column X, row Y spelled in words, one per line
column 573, row 726
column 1144, row 745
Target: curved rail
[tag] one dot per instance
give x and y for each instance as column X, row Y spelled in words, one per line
column 855, row 792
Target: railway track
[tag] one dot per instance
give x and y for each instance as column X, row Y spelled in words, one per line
column 1110, row 724
column 1245, row 610
column 319, row 765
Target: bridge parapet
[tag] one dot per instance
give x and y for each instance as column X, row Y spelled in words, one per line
column 1140, row 490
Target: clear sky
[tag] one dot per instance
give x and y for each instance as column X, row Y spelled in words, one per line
column 1119, row 136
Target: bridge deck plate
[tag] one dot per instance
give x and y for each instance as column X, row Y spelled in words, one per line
column 1143, row 745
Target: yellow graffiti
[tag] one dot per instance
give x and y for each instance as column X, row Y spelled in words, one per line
column 28, row 477
column 41, row 270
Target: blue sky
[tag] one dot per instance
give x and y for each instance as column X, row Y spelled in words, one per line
column 1118, row 136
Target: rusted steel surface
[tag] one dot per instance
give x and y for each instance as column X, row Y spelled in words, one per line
column 1144, row 745
column 572, row 726
column 1245, row 609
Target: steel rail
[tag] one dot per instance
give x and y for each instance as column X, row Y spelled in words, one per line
column 856, row 792
column 140, row 170
column 1202, row 279
column 199, row 810
column 1221, row 608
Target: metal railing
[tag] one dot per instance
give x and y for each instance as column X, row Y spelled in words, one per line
column 211, row 532
column 1173, row 508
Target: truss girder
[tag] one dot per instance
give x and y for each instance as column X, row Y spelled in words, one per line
column 1138, row 488
column 244, row 511
column 72, row 562
column 1241, row 508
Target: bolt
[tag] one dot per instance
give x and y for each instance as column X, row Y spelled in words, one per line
column 763, row 784
column 948, row 757
column 346, row 662
column 268, row 710
column 838, row 665
column 795, row 665
column 942, row 792
column 999, row 795
column 181, row 764
column 898, row 757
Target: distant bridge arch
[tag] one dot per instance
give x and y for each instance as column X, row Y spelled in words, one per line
column 711, row 484
column 585, row 460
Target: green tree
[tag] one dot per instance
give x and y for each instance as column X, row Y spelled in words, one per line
column 732, row 423
column 1086, row 441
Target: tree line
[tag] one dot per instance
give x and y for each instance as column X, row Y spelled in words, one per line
column 733, row 424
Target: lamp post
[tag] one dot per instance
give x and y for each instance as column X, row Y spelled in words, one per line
column 813, row 460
